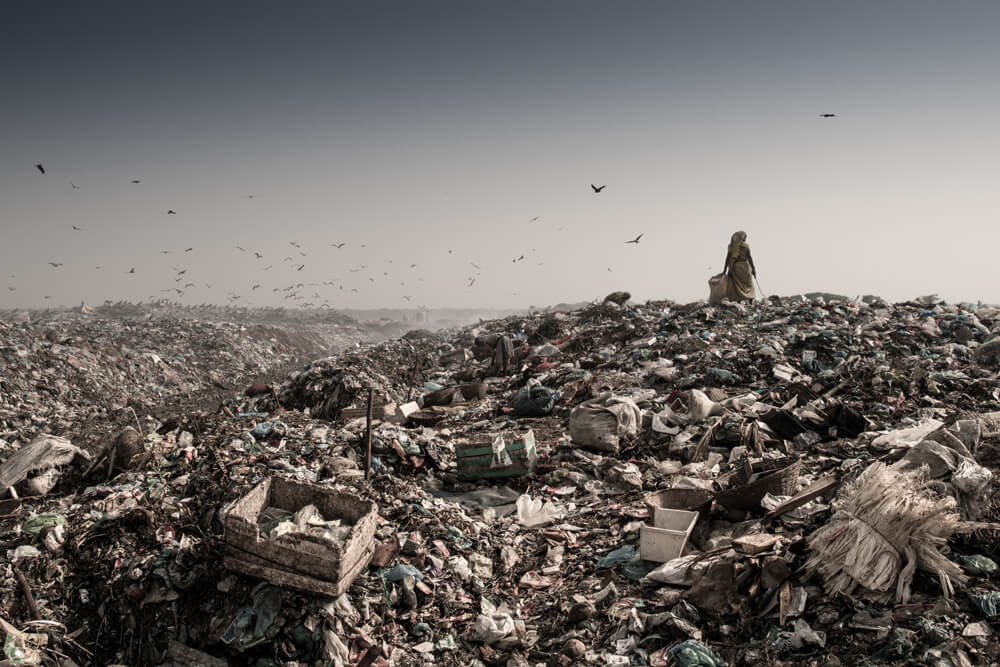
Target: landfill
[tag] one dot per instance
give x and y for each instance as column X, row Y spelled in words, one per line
column 808, row 480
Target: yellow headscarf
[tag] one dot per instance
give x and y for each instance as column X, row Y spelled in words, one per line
column 736, row 243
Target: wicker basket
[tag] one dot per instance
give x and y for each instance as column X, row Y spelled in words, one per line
column 780, row 477
column 695, row 500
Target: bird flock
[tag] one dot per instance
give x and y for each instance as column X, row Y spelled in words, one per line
column 298, row 292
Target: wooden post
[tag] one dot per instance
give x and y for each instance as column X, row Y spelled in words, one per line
column 368, row 436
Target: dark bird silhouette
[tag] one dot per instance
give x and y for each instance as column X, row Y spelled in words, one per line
column 293, row 243
column 74, row 185
column 268, row 267
column 338, row 245
column 138, row 180
column 164, row 252
column 12, row 289
column 259, row 256
column 476, row 266
column 535, row 218
column 79, row 229
column 188, row 249
column 635, row 240
column 598, row 189
column 413, row 266
column 171, row 212
column 40, row 168
column 181, row 273
column 408, row 298
column 515, row 261
column 828, row 115
column 472, row 281
column 189, row 285
column 55, row 264
column 254, row 287
column 132, row 270
column 249, row 196
column 240, row 249
column 301, row 266
column 354, row 290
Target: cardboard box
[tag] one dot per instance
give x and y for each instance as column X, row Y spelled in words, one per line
column 665, row 539
column 505, row 454
column 300, row 561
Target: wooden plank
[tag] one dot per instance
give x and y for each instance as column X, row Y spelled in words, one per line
column 811, row 492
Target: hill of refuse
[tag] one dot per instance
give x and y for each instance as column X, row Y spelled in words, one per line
column 835, row 464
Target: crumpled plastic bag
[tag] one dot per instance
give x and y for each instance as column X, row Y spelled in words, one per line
column 907, row 437
column 535, row 402
column 602, row 422
column 533, row 513
column 692, row 653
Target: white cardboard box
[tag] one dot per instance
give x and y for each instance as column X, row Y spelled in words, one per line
column 665, row 540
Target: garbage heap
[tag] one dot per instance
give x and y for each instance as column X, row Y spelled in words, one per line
column 797, row 481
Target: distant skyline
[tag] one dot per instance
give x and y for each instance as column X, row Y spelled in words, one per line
column 432, row 133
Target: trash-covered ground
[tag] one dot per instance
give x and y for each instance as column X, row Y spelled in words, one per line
column 811, row 483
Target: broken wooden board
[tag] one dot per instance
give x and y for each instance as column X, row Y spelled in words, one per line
column 811, row 492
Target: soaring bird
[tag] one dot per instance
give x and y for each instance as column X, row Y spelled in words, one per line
column 138, row 180
column 255, row 287
column 259, row 256
column 635, row 240
column 515, row 261
column 301, row 266
column 55, row 264
column 828, row 115
column 12, row 289
column 164, row 252
column 181, row 273
column 132, row 270
column 188, row 249
column 79, row 229
column 40, row 168
column 408, row 298
column 240, row 249
column 338, row 245
column 171, row 212
column 472, row 281
column 248, row 196
column 535, row 218
column 293, row 243
column 268, row 267
column 598, row 189
column 476, row 266
column 74, row 185
column 413, row 266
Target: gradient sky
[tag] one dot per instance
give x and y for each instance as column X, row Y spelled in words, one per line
column 416, row 128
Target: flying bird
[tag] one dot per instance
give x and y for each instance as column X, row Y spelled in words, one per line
column 55, row 264
column 598, row 189
column 259, row 256
column 828, row 115
column 188, row 249
column 189, row 285
column 248, row 196
column 132, row 270
column 74, row 185
column 515, row 261
column 535, row 218
column 164, row 252
column 476, row 266
column 413, row 266
column 338, row 245
column 171, row 212
column 181, row 273
column 408, row 298
column 138, row 180
column 472, row 281
column 293, row 243
column 301, row 266
column 240, row 249
column 254, row 287
column 635, row 240
column 40, row 168
column 75, row 228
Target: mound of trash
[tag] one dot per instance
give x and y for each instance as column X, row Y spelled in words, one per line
column 796, row 481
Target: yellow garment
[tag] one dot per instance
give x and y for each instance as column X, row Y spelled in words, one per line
column 740, row 269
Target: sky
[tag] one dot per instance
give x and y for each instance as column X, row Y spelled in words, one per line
column 433, row 133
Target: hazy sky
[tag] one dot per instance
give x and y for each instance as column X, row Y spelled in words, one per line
column 419, row 128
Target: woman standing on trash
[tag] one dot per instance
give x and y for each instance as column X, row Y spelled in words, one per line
column 739, row 269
